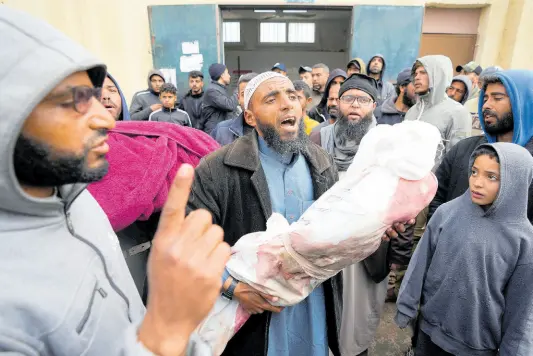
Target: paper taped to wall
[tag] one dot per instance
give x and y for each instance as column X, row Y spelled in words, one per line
column 170, row 75
column 190, row 47
column 191, row 62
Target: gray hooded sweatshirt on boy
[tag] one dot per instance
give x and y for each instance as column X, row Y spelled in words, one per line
column 451, row 118
column 472, row 271
column 140, row 104
column 66, row 289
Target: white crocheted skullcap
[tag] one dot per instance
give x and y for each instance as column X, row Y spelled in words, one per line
column 253, row 84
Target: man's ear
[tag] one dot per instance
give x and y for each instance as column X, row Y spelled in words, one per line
column 250, row 119
column 309, row 101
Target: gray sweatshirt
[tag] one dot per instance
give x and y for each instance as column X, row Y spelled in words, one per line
column 472, row 271
column 140, row 108
column 450, row 117
column 66, row 289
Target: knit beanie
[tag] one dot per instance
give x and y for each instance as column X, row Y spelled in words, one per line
column 361, row 82
column 216, row 70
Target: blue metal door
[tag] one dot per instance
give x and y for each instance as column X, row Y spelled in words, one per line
column 185, row 38
column 393, row 31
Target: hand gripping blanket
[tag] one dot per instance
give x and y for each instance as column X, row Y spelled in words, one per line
column 389, row 181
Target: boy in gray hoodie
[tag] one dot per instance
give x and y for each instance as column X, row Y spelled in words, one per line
column 472, row 270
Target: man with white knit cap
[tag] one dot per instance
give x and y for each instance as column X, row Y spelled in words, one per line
column 275, row 169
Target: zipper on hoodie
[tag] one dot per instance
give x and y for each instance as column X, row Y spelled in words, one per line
column 87, row 313
column 70, row 227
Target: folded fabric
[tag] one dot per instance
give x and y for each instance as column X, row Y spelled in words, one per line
column 143, row 160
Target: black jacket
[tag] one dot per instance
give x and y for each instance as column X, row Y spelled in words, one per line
column 453, row 173
column 192, row 104
column 217, row 106
column 231, row 184
column 173, row 116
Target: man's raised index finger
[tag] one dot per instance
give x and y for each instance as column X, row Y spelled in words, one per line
column 173, row 212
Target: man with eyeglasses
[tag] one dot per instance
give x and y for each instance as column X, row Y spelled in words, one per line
column 147, row 101
column 68, row 290
column 459, row 89
column 364, row 283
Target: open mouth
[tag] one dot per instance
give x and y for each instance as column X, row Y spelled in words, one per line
column 288, row 122
column 109, row 106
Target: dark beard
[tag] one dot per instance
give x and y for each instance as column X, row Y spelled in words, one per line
column 408, row 101
column 347, row 130
column 503, row 125
column 333, row 116
column 37, row 165
column 274, row 141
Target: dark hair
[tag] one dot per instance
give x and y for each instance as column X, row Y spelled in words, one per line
column 490, row 79
column 416, row 65
column 397, row 87
column 300, row 85
column 168, row 88
column 246, row 78
column 485, row 151
column 196, row 74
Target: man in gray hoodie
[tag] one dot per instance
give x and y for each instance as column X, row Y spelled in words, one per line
column 147, row 101
column 459, row 89
column 376, row 69
column 432, row 75
column 67, row 289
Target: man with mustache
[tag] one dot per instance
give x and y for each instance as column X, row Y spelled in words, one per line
column 113, row 99
column 319, row 113
column 365, row 283
column 69, row 289
column 274, row 169
column 376, row 69
column 506, row 109
column 319, row 75
column 393, row 110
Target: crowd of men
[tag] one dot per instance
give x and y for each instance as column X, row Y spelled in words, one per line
column 283, row 143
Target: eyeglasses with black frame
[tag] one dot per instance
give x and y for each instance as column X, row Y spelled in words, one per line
column 361, row 100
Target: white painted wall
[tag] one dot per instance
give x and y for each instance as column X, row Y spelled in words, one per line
column 331, row 39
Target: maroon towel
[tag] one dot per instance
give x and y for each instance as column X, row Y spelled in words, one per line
column 143, row 160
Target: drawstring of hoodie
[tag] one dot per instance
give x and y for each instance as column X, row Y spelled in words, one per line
column 421, row 110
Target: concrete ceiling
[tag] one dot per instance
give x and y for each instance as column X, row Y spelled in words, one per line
column 279, row 15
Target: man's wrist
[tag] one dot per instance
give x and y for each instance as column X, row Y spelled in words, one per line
column 158, row 340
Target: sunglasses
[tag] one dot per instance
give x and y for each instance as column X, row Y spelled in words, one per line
column 81, row 98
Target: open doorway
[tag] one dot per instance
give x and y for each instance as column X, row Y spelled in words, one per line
column 256, row 38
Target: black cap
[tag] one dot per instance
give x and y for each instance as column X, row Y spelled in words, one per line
column 361, row 82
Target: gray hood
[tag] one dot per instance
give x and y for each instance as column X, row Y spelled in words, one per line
column 468, row 85
column 38, row 59
column 516, row 174
column 440, row 72
column 151, row 74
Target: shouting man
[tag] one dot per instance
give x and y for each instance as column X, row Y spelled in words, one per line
column 274, row 169
column 113, row 99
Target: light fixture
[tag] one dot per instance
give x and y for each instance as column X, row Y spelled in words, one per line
column 264, row 10
column 294, row 11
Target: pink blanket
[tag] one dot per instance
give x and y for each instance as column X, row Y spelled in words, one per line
column 143, row 160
